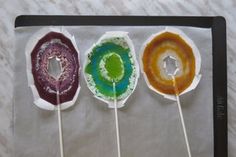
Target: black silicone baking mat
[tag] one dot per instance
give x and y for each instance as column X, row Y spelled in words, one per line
column 218, row 29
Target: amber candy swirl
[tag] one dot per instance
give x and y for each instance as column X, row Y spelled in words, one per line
column 161, row 46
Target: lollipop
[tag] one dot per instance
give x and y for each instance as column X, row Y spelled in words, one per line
column 111, row 71
column 171, row 64
column 53, row 71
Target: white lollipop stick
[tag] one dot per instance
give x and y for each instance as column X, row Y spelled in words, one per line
column 171, row 68
column 116, row 120
column 60, row 125
column 181, row 117
column 55, row 70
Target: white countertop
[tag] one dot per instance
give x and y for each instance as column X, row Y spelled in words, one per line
column 12, row 8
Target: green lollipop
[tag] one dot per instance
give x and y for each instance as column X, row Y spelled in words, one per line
column 111, row 72
column 112, row 60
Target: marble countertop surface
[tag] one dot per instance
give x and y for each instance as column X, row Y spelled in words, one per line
column 12, row 8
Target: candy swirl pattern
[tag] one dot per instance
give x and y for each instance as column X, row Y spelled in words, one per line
column 108, row 62
column 157, row 49
column 55, row 44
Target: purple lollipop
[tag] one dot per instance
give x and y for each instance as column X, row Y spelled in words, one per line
column 53, row 71
column 45, row 46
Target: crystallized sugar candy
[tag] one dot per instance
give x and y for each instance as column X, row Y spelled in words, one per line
column 43, row 47
column 112, row 61
column 172, row 43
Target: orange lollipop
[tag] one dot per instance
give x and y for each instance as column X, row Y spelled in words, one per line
column 175, row 44
column 171, row 64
